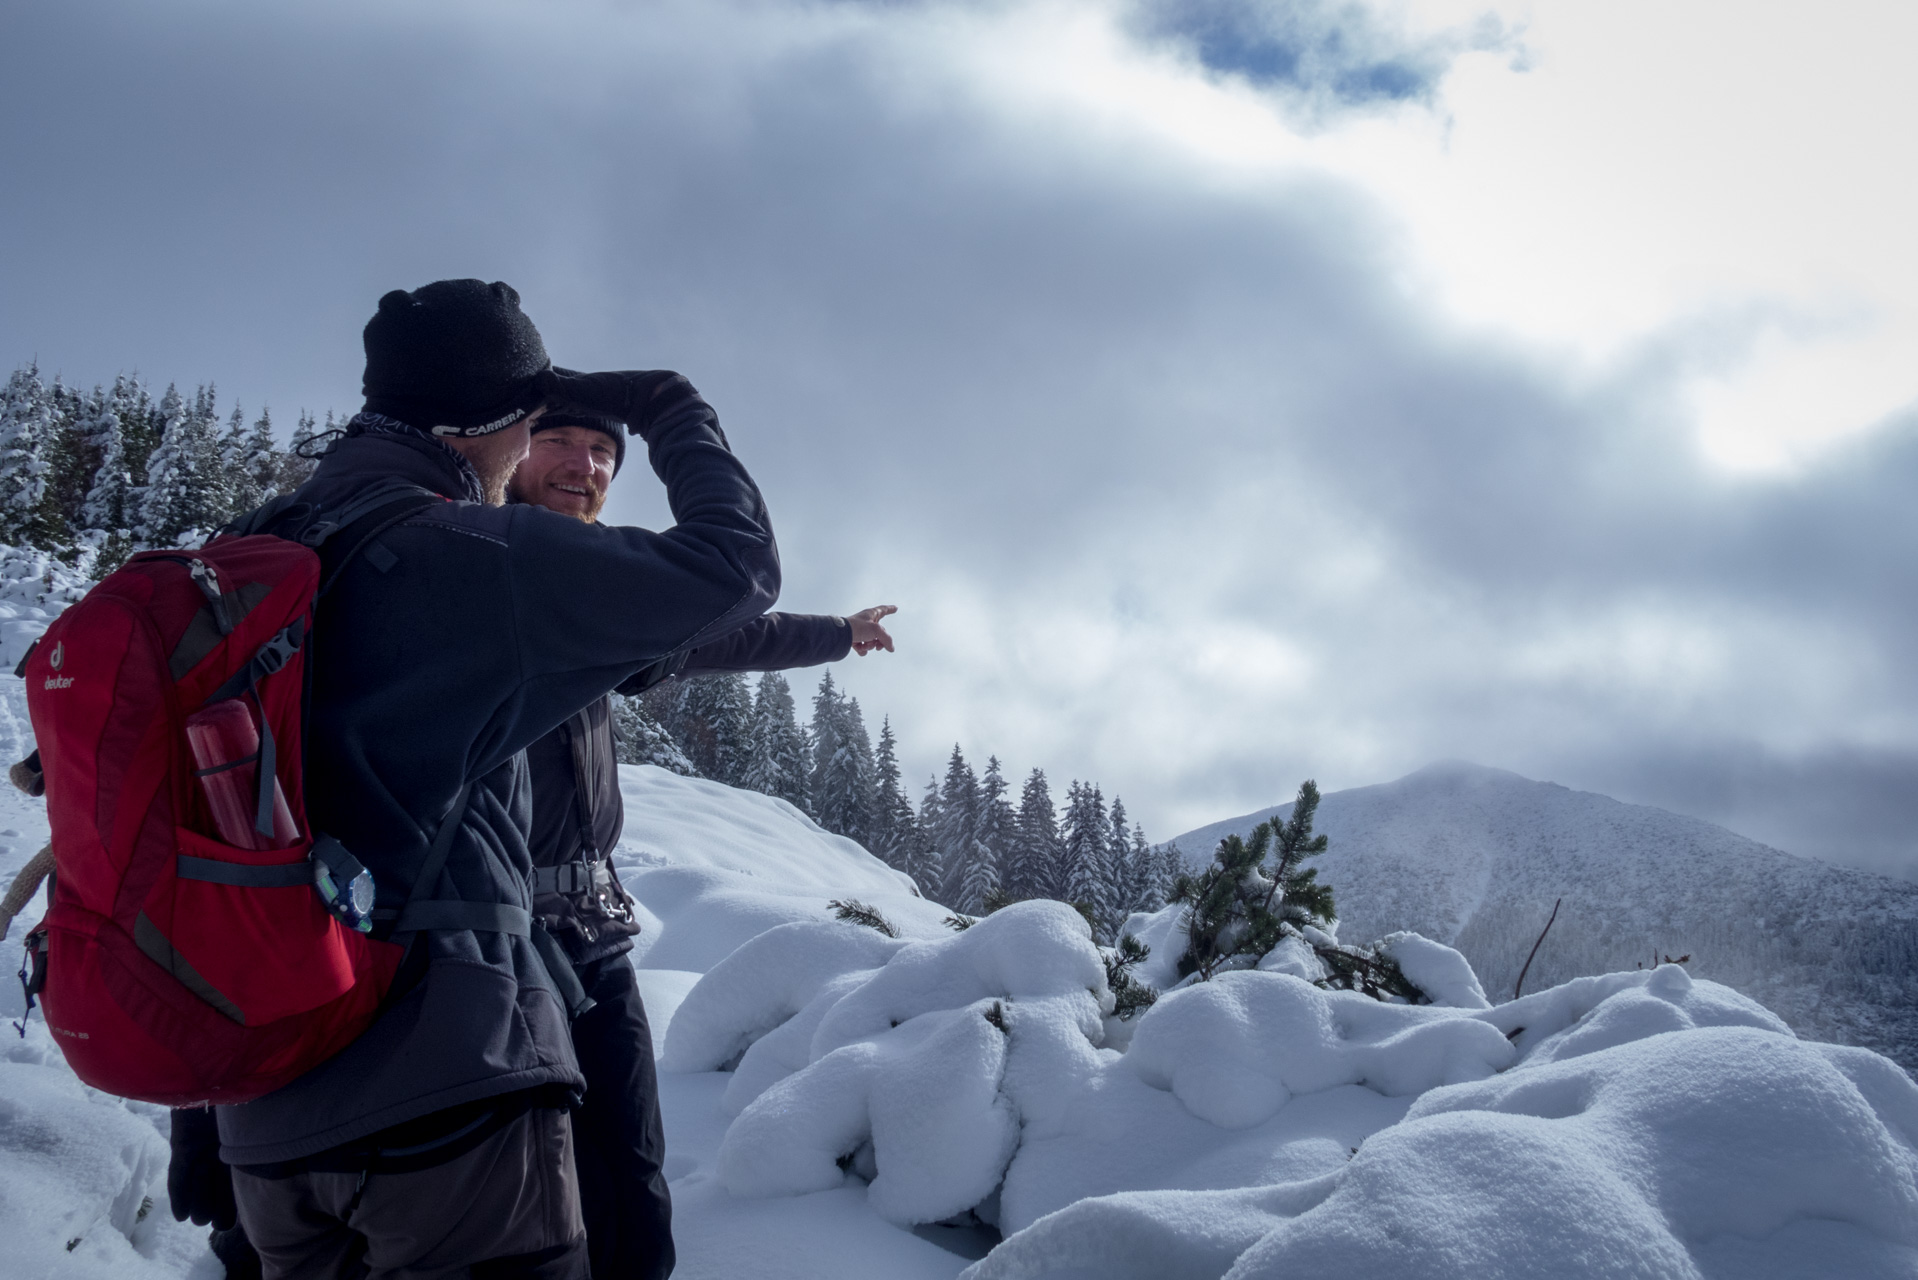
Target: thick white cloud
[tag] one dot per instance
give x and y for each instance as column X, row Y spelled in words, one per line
column 1213, row 429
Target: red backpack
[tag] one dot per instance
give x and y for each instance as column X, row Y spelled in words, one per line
column 172, row 966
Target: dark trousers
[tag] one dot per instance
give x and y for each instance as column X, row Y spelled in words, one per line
column 507, row 1208
column 619, row 1139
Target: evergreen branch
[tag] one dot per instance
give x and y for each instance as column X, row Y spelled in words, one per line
column 853, row 911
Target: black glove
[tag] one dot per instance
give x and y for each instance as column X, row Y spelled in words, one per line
column 636, row 397
column 198, row 1182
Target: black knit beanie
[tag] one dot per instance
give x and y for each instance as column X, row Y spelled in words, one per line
column 556, row 418
column 455, row 357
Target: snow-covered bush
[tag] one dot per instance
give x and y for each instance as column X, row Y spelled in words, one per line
column 860, row 1049
column 1723, row 1152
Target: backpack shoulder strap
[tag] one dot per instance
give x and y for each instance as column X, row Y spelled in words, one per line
column 340, row 532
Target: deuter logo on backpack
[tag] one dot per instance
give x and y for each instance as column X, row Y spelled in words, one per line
column 203, row 943
column 55, row 661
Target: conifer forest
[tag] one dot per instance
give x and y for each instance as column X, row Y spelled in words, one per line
column 91, row 476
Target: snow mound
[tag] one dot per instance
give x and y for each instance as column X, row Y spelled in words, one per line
column 1236, row 1049
column 762, row 985
column 1443, row 974
column 714, row 867
column 890, row 1057
column 1710, row 1152
column 1635, row 1124
column 1587, row 1014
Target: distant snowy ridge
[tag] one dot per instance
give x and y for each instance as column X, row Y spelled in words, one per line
column 1475, row 857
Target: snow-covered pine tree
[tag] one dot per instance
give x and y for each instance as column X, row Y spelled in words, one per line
column 243, row 488
column 260, row 460
column 993, row 829
column 843, row 768
column 69, row 459
column 922, row 857
column 826, row 736
column 894, row 827
column 110, row 496
column 980, row 886
column 1125, row 878
column 778, row 765
column 731, row 703
column 1146, row 862
column 292, row 467
column 639, row 738
column 26, row 423
column 171, row 491
column 1036, row 852
column 1238, row 909
column 1082, row 871
column 863, row 774
column 958, row 820
column 712, row 722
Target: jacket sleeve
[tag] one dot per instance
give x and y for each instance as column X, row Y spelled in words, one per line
column 593, row 604
column 770, row 642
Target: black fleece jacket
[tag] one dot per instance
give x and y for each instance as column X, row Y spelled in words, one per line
column 459, row 639
column 575, row 771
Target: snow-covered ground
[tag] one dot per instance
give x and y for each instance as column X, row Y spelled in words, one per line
column 841, row 1103
column 1475, row 858
column 1637, row 1124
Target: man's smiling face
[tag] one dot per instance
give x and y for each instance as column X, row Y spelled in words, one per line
column 567, row 470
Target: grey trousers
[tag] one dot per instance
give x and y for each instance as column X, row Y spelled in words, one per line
column 507, row 1208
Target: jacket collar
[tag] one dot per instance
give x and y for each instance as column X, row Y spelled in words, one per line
column 379, row 447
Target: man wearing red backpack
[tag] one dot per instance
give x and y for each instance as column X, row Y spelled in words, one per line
column 438, row 1143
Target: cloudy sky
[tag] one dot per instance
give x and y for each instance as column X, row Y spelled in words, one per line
column 1228, row 391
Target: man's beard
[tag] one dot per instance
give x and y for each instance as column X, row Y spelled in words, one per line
column 595, row 503
column 495, row 467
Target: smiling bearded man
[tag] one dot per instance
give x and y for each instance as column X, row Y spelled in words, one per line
column 619, row 1142
column 571, row 461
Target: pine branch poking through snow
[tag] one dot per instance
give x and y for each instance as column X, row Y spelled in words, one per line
column 1130, row 997
column 853, row 911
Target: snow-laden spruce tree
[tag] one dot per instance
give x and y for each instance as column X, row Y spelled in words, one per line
column 729, row 708
column 778, row 764
column 953, row 833
column 993, row 830
column 711, row 719
column 110, row 497
column 639, row 738
column 26, row 426
column 843, row 771
column 980, row 888
column 894, row 828
column 1128, row 877
column 922, row 856
column 1035, row 854
column 187, row 487
column 1081, row 876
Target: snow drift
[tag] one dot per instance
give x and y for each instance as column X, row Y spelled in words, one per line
column 1633, row 1124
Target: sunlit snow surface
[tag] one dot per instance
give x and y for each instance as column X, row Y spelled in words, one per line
column 1636, row 1124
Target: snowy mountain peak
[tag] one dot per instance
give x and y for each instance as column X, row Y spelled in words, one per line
column 1475, row 857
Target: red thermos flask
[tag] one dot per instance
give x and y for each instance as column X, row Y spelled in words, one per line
column 226, row 749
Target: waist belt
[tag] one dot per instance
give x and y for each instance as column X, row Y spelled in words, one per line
column 573, row 877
